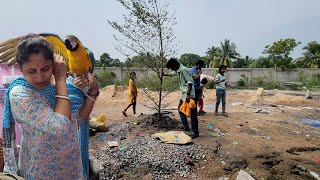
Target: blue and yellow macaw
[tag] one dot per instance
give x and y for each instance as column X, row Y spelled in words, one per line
column 74, row 53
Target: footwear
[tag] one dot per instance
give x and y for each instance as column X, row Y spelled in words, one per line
column 124, row 113
column 216, row 113
column 193, row 136
column 135, row 115
column 225, row 114
column 200, row 114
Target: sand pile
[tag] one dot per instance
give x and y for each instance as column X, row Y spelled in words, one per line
column 251, row 97
column 113, row 92
column 289, row 100
column 256, row 98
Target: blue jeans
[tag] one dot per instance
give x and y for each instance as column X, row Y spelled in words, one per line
column 221, row 94
column 194, row 119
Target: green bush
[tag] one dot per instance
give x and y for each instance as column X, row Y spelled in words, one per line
column 153, row 83
column 314, row 82
column 118, row 82
column 241, row 83
column 258, row 80
column 273, row 83
column 311, row 82
column 105, row 78
column 303, row 78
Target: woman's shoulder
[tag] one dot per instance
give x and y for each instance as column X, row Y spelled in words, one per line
column 21, row 91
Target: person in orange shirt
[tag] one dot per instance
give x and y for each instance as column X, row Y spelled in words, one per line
column 132, row 94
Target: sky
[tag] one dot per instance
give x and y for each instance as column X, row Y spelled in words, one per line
column 201, row 24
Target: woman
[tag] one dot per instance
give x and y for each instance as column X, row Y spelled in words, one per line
column 48, row 115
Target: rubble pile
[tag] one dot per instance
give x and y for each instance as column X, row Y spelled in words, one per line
column 159, row 159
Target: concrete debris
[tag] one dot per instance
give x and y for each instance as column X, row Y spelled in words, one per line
column 244, row 176
column 161, row 159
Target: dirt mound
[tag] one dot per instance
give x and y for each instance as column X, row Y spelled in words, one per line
column 242, row 94
column 279, row 99
column 166, row 122
column 284, row 99
column 249, row 96
column 107, row 92
column 113, row 92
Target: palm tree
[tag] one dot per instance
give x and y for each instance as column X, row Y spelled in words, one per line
column 311, row 56
column 223, row 55
column 214, row 55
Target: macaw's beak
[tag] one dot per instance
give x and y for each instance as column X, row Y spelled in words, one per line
column 68, row 44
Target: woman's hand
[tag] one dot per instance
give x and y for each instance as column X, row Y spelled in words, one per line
column 94, row 86
column 59, row 68
column 81, row 82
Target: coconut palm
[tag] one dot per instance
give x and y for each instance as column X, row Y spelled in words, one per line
column 223, row 55
column 213, row 55
column 311, row 56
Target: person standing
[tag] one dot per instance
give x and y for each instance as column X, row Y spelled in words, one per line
column 187, row 93
column 203, row 82
column 48, row 115
column 196, row 73
column 221, row 90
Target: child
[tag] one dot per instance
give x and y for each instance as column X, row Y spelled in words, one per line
column 132, row 93
column 203, row 82
column 221, row 90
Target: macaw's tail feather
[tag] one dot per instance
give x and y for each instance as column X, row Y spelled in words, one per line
column 13, row 61
column 10, row 41
column 6, row 47
column 8, row 57
column 7, row 53
column 8, row 50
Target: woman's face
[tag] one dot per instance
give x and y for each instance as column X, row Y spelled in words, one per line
column 37, row 71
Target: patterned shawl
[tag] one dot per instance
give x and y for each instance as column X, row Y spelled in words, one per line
column 77, row 98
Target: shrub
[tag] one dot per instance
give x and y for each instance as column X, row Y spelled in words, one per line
column 241, row 83
column 105, row 78
column 152, row 83
column 259, row 80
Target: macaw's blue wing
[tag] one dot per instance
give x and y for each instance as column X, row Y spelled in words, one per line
column 92, row 59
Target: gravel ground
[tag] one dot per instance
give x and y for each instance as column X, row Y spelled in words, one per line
column 149, row 155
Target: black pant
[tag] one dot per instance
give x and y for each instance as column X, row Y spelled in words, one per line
column 197, row 93
column 194, row 119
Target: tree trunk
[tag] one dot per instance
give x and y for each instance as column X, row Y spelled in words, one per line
column 161, row 59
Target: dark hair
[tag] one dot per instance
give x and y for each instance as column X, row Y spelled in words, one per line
column 33, row 45
column 132, row 73
column 204, row 81
column 200, row 63
column 221, row 67
column 173, row 64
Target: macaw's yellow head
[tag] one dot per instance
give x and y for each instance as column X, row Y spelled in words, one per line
column 72, row 43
